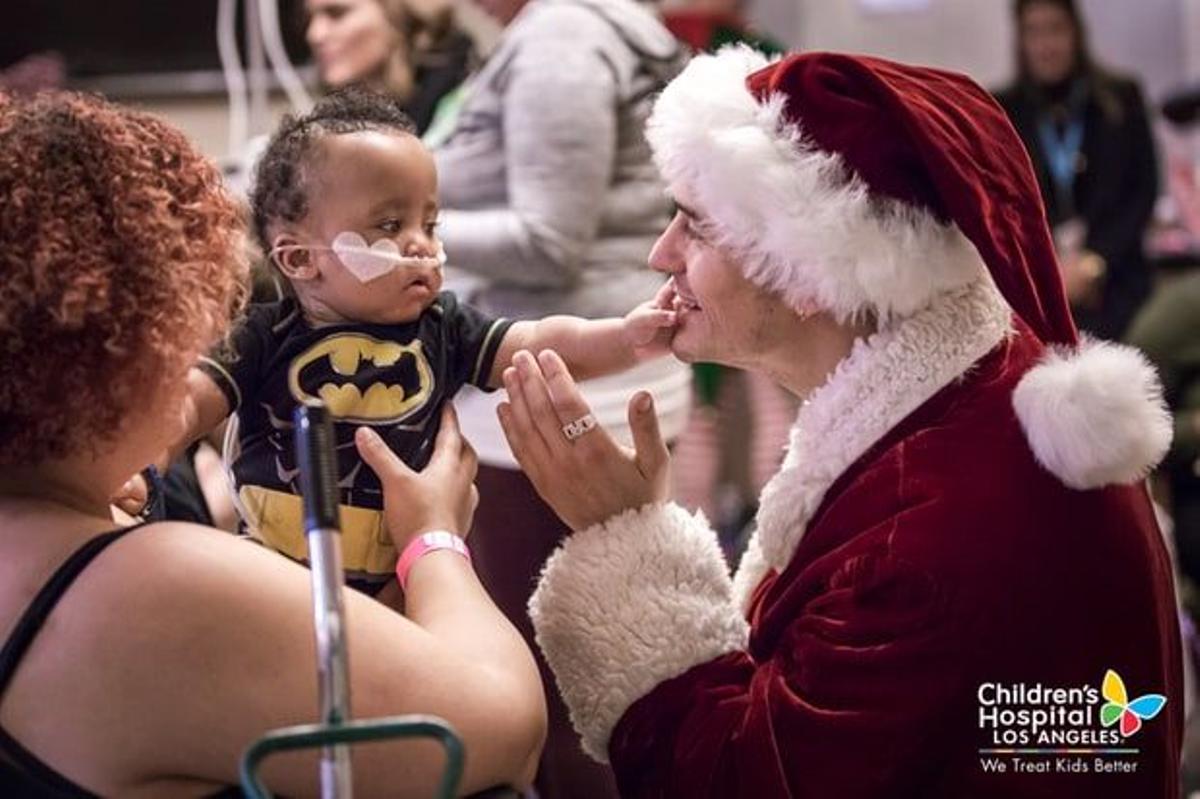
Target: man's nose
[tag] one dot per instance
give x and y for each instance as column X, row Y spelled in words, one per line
column 665, row 256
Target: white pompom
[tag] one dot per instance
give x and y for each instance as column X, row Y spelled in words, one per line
column 1096, row 416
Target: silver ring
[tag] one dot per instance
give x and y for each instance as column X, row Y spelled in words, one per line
column 575, row 429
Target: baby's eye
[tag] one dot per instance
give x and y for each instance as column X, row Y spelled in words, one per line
column 392, row 226
column 431, row 228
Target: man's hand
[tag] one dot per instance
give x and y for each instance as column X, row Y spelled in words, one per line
column 589, row 478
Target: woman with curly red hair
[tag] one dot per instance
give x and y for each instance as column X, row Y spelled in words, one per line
column 143, row 660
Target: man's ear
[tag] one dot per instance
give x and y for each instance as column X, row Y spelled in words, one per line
column 293, row 259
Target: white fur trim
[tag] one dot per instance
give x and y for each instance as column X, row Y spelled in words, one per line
column 628, row 604
column 750, row 572
column 884, row 379
column 800, row 221
column 1095, row 417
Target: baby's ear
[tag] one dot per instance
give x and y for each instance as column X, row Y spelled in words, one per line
column 293, row 259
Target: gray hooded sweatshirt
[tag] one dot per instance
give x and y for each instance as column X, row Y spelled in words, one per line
column 547, row 182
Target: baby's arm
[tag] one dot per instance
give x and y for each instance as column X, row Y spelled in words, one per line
column 591, row 347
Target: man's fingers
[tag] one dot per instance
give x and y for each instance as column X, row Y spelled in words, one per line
column 517, row 440
column 542, row 410
column 564, row 391
column 522, row 432
column 378, row 455
column 652, row 454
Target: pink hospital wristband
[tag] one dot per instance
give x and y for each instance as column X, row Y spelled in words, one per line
column 423, row 545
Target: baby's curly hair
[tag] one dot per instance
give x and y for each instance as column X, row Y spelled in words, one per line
column 282, row 175
column 121, row 260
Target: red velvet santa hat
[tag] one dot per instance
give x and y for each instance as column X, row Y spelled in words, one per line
column 860, row 185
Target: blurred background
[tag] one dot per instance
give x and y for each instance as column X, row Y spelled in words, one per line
column 165, row 56
column 1105, row 94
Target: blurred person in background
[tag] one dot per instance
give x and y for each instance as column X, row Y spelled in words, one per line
column 550, row 200
column 1087, row 133
column 1167, row 330
column 411, row 49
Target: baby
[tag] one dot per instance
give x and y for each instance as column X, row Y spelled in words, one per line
column 345, row 205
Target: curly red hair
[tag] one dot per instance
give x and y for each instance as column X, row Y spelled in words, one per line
column 121, row 259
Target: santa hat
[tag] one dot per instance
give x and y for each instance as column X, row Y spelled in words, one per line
column 863, row 186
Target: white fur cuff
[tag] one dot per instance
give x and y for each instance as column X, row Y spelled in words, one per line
column 628, row 604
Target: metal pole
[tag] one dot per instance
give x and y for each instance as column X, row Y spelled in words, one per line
column 259, row 116
column 316, row 456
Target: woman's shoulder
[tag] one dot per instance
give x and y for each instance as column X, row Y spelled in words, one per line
column 1122, row 92
column 1121, row 82
column 166, row 618
column 178, row 572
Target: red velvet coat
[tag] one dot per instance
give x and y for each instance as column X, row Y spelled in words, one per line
column 940, row 558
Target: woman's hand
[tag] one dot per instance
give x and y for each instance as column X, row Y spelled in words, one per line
column 1083, row 276
column 592, row 478
column 442, row 496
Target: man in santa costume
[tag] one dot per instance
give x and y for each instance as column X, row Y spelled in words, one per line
column 960, row 534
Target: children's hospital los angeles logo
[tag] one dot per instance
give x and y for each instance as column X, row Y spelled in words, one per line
column 1034, row 728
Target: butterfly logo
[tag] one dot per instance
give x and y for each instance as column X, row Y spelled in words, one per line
column 1119, row 708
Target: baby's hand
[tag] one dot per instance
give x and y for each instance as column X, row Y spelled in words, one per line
column 133, row 496
column 665, row 298
column 649, row 329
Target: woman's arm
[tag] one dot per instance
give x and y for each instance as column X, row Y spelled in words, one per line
column 223, row 650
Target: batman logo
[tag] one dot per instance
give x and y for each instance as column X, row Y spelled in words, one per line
column 362, row 379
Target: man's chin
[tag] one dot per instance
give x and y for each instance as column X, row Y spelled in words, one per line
column 684, row 352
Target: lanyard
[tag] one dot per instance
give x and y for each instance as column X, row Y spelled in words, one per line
column 1062, row 151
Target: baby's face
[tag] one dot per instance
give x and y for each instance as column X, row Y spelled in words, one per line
column 380, row 186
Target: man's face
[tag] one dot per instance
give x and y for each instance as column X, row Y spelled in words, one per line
column 722, row 316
